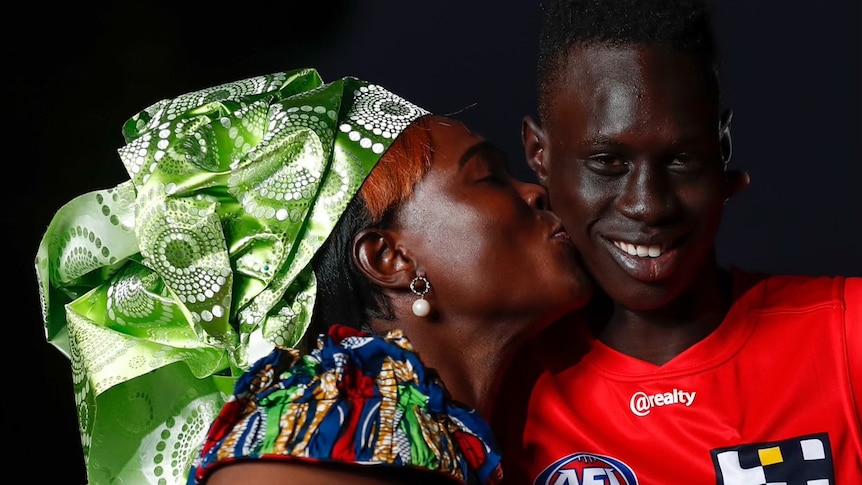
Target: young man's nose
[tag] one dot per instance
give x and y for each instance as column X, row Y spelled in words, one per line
column 646, row 195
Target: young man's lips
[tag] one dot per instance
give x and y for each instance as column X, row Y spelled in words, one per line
column 644, row 262
column 642, row 250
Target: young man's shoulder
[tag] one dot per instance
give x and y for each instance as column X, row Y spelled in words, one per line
column 787, row 292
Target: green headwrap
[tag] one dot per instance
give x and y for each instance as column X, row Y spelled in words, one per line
column 164, row 288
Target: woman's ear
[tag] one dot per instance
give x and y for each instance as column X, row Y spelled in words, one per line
column 535, row 141
column 378, row 255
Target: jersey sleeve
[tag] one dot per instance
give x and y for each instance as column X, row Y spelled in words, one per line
column 853, row 329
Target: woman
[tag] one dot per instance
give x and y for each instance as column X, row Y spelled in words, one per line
column 235, row 190
column 439, row 208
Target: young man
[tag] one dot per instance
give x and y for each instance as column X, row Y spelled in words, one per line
column 697, row 374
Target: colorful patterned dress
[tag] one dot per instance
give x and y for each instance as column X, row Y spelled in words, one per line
column 357, row 398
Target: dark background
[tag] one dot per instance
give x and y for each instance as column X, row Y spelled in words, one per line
column 78, row 70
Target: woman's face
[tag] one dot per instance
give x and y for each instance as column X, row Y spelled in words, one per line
column 484, row 239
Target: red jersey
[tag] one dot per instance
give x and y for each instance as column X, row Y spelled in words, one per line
column 772, row 396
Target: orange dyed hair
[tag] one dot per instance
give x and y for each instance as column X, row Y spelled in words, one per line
column 391, row 181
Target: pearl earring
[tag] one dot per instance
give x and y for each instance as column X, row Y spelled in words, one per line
column 421, row 307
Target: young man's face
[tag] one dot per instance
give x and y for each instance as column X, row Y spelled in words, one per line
column 630, row 153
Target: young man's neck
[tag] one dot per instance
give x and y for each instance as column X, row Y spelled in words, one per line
column 658, row 335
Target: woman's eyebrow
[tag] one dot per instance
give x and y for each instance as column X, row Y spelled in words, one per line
column 484, row 147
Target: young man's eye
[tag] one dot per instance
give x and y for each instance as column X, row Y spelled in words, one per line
column 607, row 164
column 688, row 163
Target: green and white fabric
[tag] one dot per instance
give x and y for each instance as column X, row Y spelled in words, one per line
column 161, row 290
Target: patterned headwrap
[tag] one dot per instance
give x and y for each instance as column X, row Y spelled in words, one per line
column 164, row 288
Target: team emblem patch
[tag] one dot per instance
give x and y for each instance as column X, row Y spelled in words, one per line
column 587, row 469
column 804, row 460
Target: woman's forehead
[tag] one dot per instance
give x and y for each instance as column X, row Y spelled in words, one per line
column 450, row 140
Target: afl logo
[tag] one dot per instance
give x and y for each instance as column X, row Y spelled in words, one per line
column 587, row 469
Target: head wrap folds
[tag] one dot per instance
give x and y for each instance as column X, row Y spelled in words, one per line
column 163, row 288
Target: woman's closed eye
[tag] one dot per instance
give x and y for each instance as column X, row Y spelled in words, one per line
column 489, row 166
column 495, row 177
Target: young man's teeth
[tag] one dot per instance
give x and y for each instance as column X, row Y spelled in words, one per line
column 639, row 250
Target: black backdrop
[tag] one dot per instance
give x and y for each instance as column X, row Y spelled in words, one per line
column 78, row 70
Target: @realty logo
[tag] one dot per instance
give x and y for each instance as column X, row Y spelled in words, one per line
column 642, row 403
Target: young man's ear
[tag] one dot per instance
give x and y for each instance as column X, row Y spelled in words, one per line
column 377, row 254
column 724, row 138
column 535, row 141
column 737, row 180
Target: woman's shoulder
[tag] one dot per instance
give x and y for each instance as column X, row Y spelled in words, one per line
column 346, row 364
column 357, row 398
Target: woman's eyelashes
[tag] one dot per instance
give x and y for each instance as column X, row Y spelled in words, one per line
column 491, row 167
column 494, row 173
column 495, row 178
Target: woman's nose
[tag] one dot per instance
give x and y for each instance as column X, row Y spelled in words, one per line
column 534, row 195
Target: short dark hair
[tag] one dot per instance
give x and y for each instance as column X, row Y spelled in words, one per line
column 682, row 25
